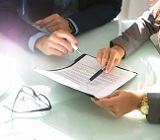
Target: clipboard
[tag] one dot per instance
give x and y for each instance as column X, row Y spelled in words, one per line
column 76, row 76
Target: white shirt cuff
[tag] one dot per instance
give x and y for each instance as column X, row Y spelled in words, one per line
column 33, row 39
column 75, row 26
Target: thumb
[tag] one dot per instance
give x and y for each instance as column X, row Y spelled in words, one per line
column 38, row 22
column 94, row 99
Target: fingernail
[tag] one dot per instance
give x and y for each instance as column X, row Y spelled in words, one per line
column 106, row 70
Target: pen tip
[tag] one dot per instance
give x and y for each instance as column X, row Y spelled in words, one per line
column 79, row 52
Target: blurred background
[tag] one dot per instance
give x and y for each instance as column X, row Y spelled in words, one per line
column 132, row 9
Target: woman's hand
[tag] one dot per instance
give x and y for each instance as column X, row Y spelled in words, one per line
column 110, row 56
column 120, row 102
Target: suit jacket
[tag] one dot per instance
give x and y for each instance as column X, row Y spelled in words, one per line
column 92, row 13
column 132, row 39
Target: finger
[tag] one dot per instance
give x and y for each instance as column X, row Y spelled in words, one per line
column 117, row 113
column 96, row 101
column 104, row 103
column 61, row 43
column 58, row 52
column 111, row 62
column 52, row 47
column 46, row 21
column 38, row 22
column 52, row 20
column 105, row 57
column 117, row 61
column 67, row 36
column 60, row 47
column 99, row 56
column 52, row 24
column 53, row 28
column 113, row 94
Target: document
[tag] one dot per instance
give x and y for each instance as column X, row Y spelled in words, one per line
column 77, row 76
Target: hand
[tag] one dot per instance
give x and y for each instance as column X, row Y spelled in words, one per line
column 111, row 56
column 56, row 43
column 120, row 102
column 54, row 23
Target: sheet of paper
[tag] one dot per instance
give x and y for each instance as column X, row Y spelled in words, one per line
column 77, row 77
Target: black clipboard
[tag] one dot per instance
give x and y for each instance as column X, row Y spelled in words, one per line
column 76, row 76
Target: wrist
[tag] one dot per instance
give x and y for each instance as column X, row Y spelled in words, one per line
column 120, row 50
column 71, row 27
column 33, row 39
column 143, row 106
column 39, row 42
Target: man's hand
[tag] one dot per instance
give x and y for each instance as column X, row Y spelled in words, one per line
column 54, row 23
column 56, row 43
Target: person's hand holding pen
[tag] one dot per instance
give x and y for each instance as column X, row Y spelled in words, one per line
column 58, row 43
column 110, row 57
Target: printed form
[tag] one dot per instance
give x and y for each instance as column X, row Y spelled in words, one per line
column 77, row 76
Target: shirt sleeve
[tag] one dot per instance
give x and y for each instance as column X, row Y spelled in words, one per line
column 33, row 39
column 74, row 24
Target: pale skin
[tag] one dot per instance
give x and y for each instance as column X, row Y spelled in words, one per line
column 110, row 56
column 56, row 43
column 119, row 102
column 53, row 23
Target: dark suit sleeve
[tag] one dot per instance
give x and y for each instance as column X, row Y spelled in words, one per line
column 94, row 15
column 154, row 107
column 12, row 26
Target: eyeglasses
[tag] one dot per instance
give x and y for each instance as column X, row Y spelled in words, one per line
column 28, row 101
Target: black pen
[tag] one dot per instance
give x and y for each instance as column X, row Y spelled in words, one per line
column 97, row 73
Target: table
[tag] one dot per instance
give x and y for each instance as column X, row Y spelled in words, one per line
column 73, row 115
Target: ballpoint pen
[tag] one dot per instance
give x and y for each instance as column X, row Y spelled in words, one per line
column 97, row 73
column 75, row 47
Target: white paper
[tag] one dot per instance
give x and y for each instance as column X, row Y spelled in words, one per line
column 77, row 77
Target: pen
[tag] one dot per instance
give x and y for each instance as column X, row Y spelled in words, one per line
column 75, row 47
column 97, row 73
